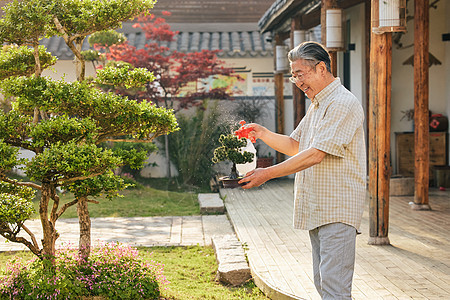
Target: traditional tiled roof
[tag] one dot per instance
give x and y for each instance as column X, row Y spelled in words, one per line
column 281, row 11
column 235, row 40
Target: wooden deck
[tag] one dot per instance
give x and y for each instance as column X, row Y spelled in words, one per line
column 415, row 266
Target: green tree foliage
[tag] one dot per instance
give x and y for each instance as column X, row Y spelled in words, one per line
column 19, row 61
column 66, row 124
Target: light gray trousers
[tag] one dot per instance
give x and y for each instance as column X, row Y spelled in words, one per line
column 333, row 253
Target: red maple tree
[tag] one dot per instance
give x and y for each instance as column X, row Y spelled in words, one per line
column 178, row 75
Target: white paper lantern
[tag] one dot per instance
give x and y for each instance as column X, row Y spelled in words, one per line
column 388, row 16
column 333, row 25
column 299, row 37
column 281, row 59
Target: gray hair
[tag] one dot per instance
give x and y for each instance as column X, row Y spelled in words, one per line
column 312, row 52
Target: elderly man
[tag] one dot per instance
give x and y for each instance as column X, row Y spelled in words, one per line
column 327, row 152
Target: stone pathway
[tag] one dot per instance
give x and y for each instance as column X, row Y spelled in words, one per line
column 143, row 231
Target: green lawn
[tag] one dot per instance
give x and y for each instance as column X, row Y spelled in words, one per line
column 190, row 271
column 142, row 202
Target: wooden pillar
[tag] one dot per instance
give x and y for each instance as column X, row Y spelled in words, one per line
column 379, row 137
column 421, row 122
column 298, row 97
column 326, row 4
column 368, row 30
column 279, row 99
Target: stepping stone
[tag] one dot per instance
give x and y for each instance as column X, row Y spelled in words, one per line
column 233, row 266
column 211, row 203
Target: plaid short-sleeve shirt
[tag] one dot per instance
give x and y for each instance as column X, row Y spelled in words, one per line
column 333, row 190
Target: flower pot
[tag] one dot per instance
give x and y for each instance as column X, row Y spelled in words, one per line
column 230, row 183
column 264, row 162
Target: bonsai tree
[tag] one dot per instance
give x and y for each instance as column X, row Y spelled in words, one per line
column 65, row 123
column 230, row 150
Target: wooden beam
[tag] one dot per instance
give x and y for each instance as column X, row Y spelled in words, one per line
column 311, row 20
column 279, row 99
column 298, row 96
column 379, row 136
column 421, row 111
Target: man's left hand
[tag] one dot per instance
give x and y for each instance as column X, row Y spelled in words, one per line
column 254, row 178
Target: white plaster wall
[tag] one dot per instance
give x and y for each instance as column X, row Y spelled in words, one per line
column 357, row 57
column 403, row 75
column 66, row 69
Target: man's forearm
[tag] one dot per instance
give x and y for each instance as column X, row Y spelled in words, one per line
column 298, row 162
column 281, row 143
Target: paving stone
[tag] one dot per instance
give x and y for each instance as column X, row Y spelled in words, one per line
column 210, row 203
column 141, row 231
column 233, row 267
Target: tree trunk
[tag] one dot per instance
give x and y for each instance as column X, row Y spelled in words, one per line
column 37, row 60
column 85, row 228
column 234, row 173
column 79, row 63
column 48, row 228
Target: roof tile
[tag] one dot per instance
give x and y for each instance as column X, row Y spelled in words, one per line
column 232, row 43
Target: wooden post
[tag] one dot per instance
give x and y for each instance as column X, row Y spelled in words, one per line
column 379, row 137
column 326, row 4
column 298, row 97
column 368, row 30
column 421, row 122
column 279, row 99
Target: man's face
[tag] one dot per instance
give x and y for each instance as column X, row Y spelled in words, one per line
column 306, row 77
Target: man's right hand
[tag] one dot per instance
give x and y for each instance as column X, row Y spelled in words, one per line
column 258, row 130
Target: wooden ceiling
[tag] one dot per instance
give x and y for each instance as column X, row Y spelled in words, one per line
column 213, row 11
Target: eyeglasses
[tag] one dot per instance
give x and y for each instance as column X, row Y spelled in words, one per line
column 299, row 77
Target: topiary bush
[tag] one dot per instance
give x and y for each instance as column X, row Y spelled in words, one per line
column 114, row 271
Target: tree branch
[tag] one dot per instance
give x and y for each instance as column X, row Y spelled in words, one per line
column 33, row 238
column 36, row 115
column 80, row 178
column 93, row 201
column 15, row 182
column 66, row 206
column 55, row 198
column 69, row 40
column 10, row 236
column 127, row 140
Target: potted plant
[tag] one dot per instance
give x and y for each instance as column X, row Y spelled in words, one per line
column 231, row 150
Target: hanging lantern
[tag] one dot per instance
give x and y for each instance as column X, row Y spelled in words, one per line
column 388, row 16
column 333, row 24
column 299, row 37
column 281, row 59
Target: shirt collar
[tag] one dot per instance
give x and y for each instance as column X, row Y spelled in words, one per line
column 325, row 92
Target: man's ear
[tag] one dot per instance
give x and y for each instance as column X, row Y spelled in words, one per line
column 322, row 68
